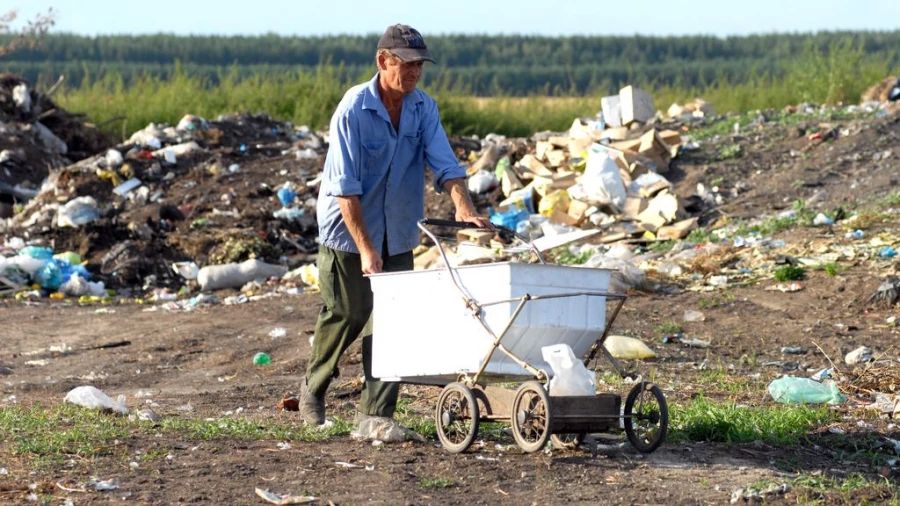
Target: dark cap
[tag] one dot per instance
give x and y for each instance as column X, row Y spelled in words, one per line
column 406, row 43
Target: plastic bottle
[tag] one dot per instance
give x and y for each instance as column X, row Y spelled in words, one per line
column 793, row 390
column 261, row 359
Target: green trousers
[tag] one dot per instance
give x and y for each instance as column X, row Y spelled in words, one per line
column 345, row 316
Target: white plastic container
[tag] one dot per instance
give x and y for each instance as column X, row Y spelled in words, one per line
column 423, row 332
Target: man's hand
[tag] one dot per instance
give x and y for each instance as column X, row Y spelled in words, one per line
column 481, row 221
column 465, row 210
column 371, row 261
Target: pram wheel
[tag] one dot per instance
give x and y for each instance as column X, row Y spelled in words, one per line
column 456, row 417
column 531, row 417
column 646, row 417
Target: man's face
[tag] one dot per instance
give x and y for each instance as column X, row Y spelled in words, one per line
column 401, row 76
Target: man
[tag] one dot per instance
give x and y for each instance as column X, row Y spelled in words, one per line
column 371, row 197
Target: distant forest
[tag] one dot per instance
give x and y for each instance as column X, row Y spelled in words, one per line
column 482, row 65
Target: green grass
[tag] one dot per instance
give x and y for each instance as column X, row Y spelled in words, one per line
column 716, row 300
column 703, row 420
column 564, row 256
column 790, row 273
column 437, row 483
column 837, row 74
column 52, row 435
column 668, row 328
column 730, row 152
column 422, row 424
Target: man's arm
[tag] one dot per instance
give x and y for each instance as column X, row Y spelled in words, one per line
column 465, row 209
column 351, row 211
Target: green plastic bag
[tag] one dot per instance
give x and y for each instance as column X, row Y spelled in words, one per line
column 792, row 390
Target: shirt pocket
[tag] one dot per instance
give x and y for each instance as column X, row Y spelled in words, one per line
column 413, row 150
column 374, row 154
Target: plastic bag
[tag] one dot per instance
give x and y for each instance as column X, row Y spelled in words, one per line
column 215, row 277
column 91, row 397
column 793, row 390
column 570, row 376
column 554, row 201
column 602, row 181
column 627, row 347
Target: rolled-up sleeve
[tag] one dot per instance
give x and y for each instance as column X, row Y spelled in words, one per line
column 342, row 174
column 438, row 153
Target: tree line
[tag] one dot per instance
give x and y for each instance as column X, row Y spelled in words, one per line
column 468, row 64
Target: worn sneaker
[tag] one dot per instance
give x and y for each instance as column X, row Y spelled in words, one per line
column 380, row 428
column 312, row 408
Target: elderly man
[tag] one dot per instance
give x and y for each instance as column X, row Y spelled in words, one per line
column 383, row 134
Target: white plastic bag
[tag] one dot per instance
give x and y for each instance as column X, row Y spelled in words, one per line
column 602, row 181
column 91, row 397
column 215, row 277
column 570, row 376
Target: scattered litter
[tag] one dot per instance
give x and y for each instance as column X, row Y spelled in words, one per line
column 861, row 354
column 793, row 390
column 627, row 347
column 91, row 397
column 284, row 498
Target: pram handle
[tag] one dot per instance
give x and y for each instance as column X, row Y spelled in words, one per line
column 448, row 223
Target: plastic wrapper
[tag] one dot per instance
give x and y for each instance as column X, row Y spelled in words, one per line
column 792, row 390
column 570, row 376
column 91, row 397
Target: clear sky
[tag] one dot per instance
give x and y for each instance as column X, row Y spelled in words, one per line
column 543, row 17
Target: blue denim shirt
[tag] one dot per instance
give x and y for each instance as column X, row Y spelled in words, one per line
column 384, row 167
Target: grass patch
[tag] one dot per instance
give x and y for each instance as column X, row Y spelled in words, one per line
column 437, row 483
column 730, row 152
column 789, row 273
column 564, row 256
column 716, row 301
column 849, row 483
column 417, row 422
column 703, row 420
column 661, row 246
column 53, row 435
column 668, row 328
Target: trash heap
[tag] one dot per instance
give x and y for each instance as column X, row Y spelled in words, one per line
column 213, row 192
column 37, row 136
column 156, row 215
column 606, row 172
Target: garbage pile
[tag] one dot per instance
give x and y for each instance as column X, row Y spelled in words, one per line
column 159, row 214
column 37, row 136
column 212, row 192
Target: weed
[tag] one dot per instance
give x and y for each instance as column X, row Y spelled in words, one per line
column 661, row 246
column 789, row 273
column 564, row 256
column 730, row 152
column 437, row 483
column 668, row 328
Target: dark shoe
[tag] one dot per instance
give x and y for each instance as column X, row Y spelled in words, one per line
column 312, row 408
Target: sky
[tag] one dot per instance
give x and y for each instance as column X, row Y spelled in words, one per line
column 493, row 17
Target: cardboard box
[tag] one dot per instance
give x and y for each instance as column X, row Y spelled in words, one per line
column 532, row 165
column 480, row 237
column 577, row 211
column 678, row 230
column 636, row 105
column 556, row 158
column 612, row 111
column 634, row 206
column 541, row 148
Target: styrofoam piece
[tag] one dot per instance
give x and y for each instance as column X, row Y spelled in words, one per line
column 423, row 332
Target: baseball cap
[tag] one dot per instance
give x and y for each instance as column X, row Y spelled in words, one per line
column 406, row 43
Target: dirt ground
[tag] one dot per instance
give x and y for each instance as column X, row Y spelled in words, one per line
column 203, row 358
